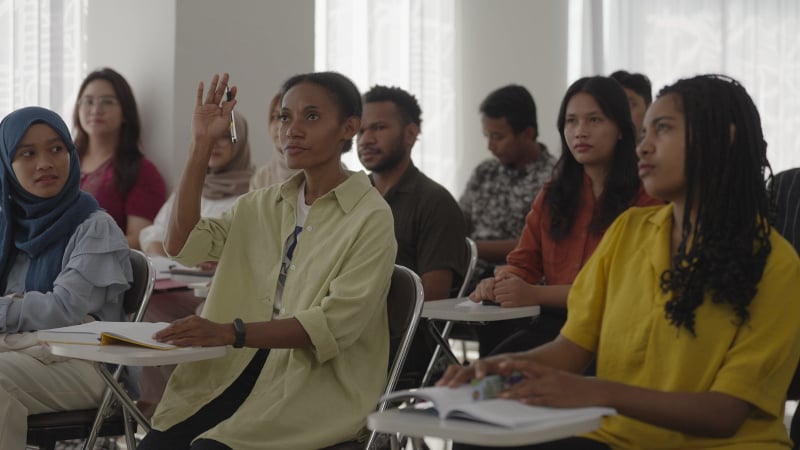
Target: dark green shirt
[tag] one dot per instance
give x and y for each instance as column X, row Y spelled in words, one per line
column 428, row 225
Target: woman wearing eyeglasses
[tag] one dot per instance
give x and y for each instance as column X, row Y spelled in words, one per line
column 113, row 169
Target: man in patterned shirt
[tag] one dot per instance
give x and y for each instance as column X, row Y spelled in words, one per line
column 500, row 192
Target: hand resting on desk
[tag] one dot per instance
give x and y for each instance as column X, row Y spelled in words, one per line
column 196, row 331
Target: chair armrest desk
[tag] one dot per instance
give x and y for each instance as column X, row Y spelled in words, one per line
column 463, row 310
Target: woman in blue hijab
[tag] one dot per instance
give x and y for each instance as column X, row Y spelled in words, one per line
column 63, row 261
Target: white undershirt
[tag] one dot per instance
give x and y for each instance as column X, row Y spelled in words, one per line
column 289, row 247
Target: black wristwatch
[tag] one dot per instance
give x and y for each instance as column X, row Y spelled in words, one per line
column 239, row 331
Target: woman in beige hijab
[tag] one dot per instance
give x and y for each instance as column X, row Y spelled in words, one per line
column 276, row 170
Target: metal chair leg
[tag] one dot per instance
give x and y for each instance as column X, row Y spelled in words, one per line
column 130, row 428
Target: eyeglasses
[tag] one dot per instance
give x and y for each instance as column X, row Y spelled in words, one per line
column 102, row 102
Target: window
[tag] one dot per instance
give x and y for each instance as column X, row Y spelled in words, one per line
column 40, row 54
column 404, row 43
column 753, row 41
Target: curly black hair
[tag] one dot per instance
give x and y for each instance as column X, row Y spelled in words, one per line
column 622, row 183
column 725, row 253
column 405, row 102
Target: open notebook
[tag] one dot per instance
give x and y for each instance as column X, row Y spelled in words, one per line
column 458, row 403
column 105, row 333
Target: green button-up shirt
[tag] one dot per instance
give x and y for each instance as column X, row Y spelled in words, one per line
column 336, row 287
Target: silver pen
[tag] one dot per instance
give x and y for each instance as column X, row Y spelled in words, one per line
column 234, row 138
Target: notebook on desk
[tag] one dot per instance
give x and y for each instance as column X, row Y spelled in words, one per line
column 459, row 404
column 107, row 333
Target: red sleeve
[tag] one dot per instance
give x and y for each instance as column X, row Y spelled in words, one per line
column 526, row 259
column 148, row 194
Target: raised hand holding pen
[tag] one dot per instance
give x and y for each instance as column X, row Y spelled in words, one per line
column 229, row 97
column 211, row 119
column 212, row 114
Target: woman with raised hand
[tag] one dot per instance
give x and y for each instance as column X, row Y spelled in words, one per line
column 687, row 307
column 594, row 181
column 299, row 292
column 113, row 169
column 63, row 261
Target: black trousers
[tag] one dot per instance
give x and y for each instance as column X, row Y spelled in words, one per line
column 574, row 443
column 180, row 436
column 538, row 331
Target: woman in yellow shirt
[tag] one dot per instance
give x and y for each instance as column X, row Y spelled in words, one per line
column 687, row 307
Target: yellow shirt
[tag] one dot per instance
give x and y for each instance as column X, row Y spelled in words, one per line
column 616, row 309
column 336, row 287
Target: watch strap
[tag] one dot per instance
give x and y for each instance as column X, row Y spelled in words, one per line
column 239, row 332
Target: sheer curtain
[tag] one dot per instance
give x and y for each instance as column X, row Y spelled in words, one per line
column 40, row 54
column 405, row 43
column 754, row 41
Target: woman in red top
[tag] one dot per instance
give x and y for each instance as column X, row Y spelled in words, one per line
column 113, row 168
column 594, row 181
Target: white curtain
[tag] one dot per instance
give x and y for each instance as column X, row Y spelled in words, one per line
column 40, row 54
column 405, row 43
column 755, row 41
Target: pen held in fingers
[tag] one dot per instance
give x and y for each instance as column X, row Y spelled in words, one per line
column 229, row 97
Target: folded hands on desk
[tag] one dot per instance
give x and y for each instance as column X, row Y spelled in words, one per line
column 505, row 289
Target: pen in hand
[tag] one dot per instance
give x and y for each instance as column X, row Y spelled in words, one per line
column 228, row 97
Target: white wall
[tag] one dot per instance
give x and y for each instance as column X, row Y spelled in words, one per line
column 510, row 41
column 137, row 39
column 164, row 47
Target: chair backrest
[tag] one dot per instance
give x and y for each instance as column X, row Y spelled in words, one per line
column 472, row 250
column 404, row 307
column 137, row 296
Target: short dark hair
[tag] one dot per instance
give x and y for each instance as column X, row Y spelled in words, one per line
column 344, row 92
column 637, row 82
column 513, row 102
column 405, row 102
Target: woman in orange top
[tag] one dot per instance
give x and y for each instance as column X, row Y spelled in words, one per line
column 594, row 181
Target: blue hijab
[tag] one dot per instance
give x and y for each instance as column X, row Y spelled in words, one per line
column 39, row 227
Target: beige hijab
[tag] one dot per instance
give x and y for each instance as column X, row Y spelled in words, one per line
column 233, row 179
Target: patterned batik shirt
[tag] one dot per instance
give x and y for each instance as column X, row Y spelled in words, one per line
column 498, row 198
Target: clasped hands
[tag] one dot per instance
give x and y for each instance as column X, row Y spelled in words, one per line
column 506, row 289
